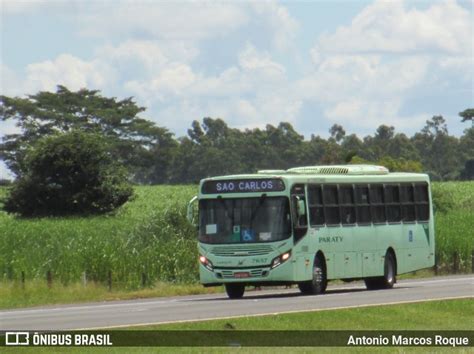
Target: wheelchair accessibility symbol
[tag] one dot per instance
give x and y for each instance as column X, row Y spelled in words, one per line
column 248, row 235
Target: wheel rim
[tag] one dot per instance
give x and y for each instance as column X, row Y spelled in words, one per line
column 390, row 271
column 318, row 275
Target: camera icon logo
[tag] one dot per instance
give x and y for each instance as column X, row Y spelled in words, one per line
column 17, row 338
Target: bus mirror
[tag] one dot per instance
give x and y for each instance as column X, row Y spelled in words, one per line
column 192, row 212
column 301, row 207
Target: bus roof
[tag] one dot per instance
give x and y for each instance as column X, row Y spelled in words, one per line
column 331, row 173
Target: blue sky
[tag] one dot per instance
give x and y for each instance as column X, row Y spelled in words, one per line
column 311, row 63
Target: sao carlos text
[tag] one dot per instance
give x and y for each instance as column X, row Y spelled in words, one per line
column 66, row 339
column 401, row 340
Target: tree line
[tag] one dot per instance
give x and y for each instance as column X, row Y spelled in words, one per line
column 153, row 155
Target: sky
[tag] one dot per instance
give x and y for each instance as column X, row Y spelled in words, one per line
column 252, row 63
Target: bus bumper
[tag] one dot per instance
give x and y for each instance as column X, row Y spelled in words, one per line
column 284, row 273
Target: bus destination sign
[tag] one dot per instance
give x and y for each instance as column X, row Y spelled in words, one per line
column 243, row 186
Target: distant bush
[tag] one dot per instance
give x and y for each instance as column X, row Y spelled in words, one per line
column 69, row 173
column 5, row 182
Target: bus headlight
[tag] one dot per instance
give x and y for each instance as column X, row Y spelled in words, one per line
column 206, row 262
column 281, row 259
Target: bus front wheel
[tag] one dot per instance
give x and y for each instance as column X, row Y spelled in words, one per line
column 389, row 275
column 319, row 282
column 235, row 291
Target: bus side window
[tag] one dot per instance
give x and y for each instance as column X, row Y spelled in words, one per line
column 362, row 202
column 300, row 224
column 422, row 202
column 331, row 205
column 377, row 203
column 392, row 202
column 407, row 201
column 316, row 209
column 346, row 201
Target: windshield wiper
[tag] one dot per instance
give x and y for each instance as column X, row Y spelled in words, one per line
column 227, row 213
column 260, row 203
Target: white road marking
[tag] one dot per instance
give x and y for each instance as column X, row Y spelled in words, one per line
column 439, row 281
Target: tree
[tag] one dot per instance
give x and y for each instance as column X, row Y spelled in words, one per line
column 337, row 132
column 467, row 114
column 438, row 150
column 435, row 127
column 375, row 147
column 466, row 149
column 47, row 113
column 69, row 173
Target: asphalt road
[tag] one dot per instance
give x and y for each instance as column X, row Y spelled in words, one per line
column 199, row 307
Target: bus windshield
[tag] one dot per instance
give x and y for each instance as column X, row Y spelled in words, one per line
column 244, row 220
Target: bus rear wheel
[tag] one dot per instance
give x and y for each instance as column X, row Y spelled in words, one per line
column 318, row 284
column 235, row 291
column 389, row 275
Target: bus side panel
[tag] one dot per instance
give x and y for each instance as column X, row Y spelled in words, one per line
column 366, row 248
column 418, row 247
column 304, row 257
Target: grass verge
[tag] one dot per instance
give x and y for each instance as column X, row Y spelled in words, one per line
column 35, row 293
column 429, row 315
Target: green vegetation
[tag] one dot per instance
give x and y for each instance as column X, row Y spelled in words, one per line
column 454, row 223
column 132, row 141
column 14, row 294
column 430, row 315
column 148, row 241
column 153, row 156
column 70, row 173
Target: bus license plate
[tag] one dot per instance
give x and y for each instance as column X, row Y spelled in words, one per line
column 242, row 275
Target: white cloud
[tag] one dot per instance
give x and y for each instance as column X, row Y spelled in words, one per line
column 364, row 73
column 9, row 81
column 370, row 114
column 249, row 94
column 250, row 59
column 390, row 26
column 19, row 6
column 163, row 20
column 139, row 52
column 277, row 17
column 69, row 71
column 173, row 80
column 190, row 21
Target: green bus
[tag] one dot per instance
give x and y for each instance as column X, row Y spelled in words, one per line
column 308, row 225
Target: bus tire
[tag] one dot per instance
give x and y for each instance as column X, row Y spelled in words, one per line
column 318, row 284
column 389, row 275
column 389, row 272
column 235, row 291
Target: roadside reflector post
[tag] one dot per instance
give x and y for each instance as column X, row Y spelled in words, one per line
column 9, row 273
column 49, row 279
column 23, row 279
column 144, row 280
column 472, row 262
column 455, row 262
column 109, row 280
column 84, row 278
